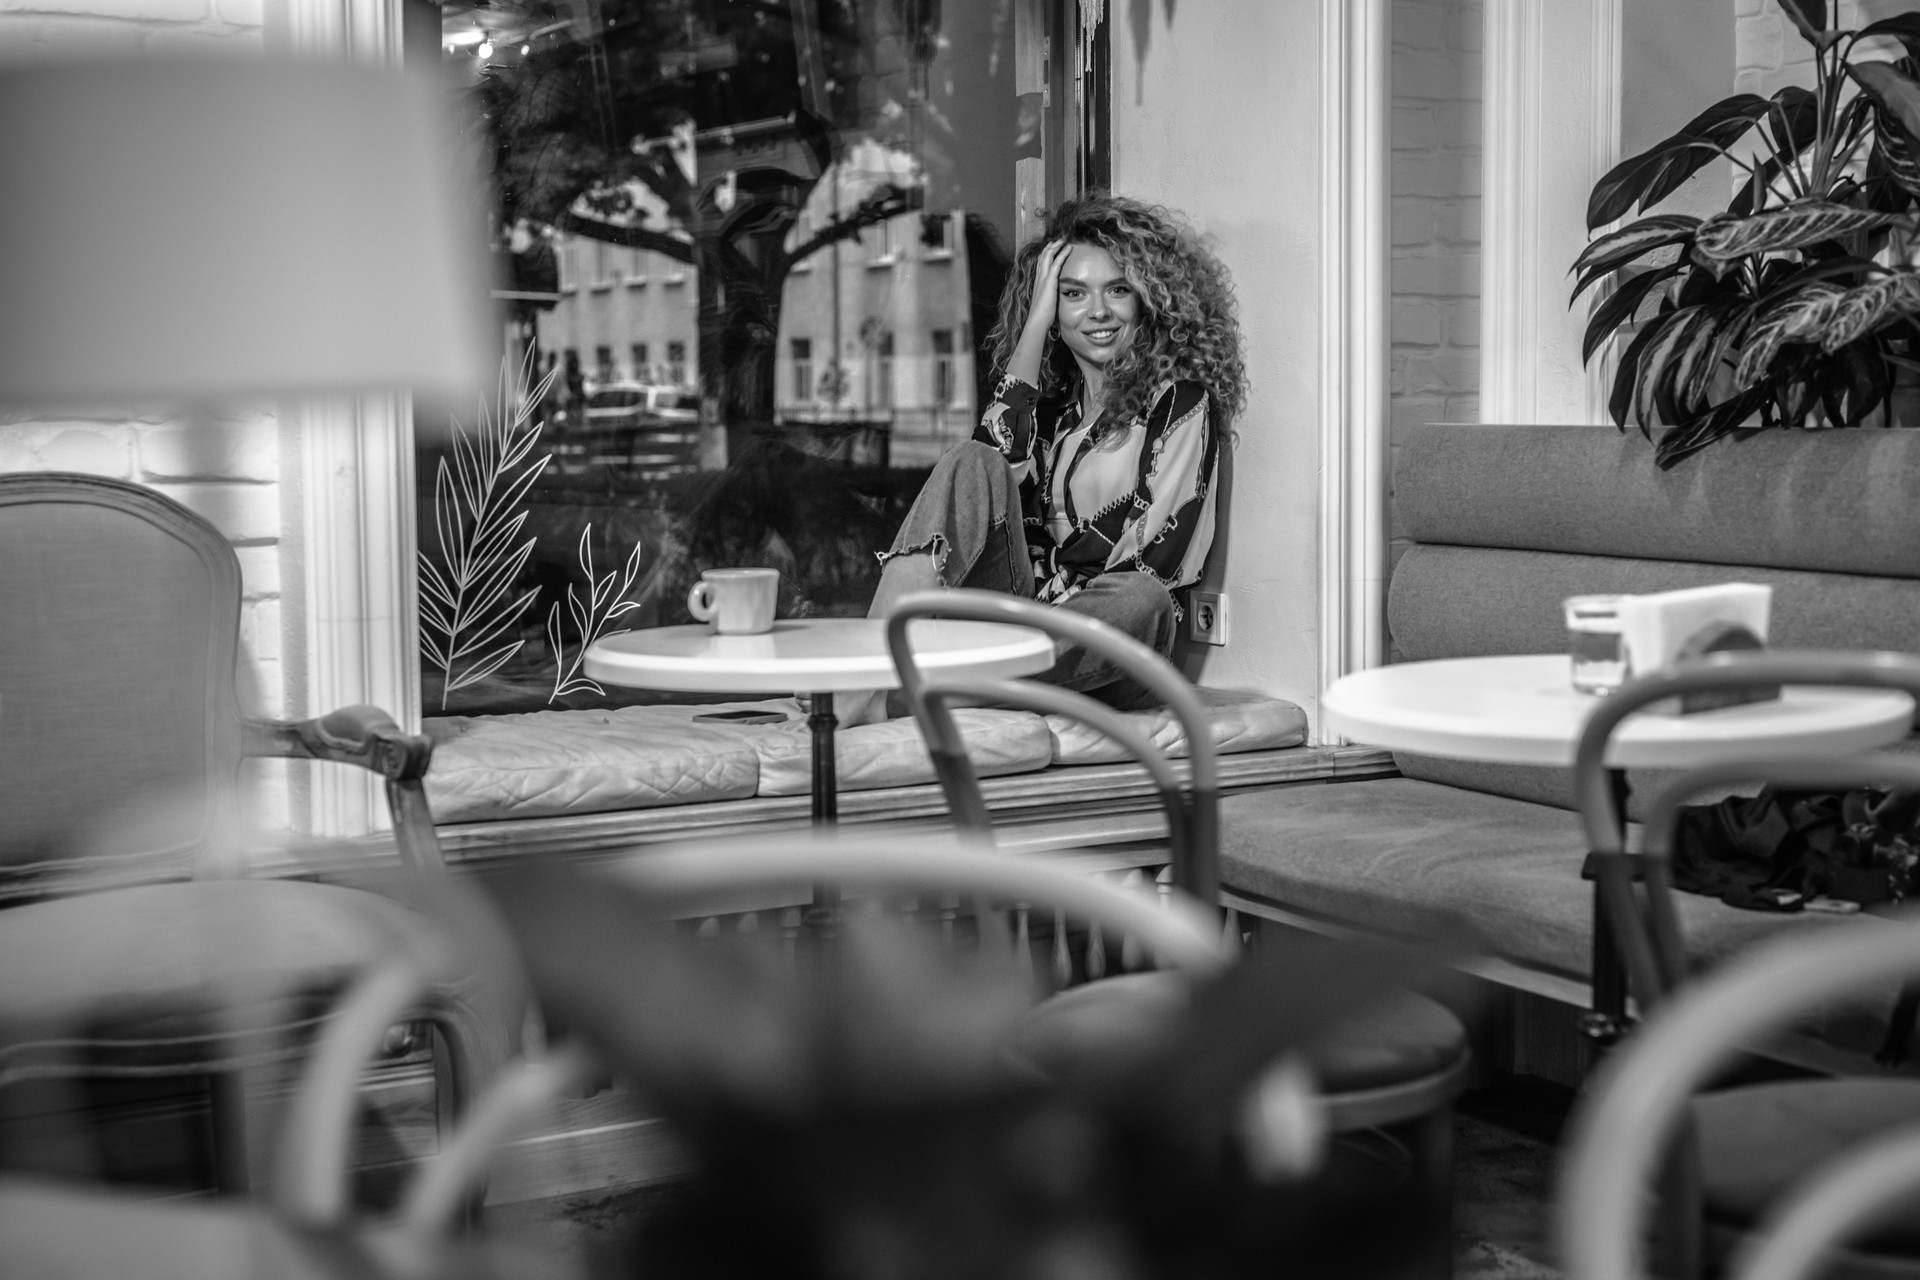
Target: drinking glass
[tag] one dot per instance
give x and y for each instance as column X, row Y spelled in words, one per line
column 1593, row 643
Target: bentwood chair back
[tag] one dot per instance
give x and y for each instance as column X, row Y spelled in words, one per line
column 1736, row 1150
column 1192, row 806
column 1400, row 1065
column 1649, row 934
column 1640, row 1103
column 121, row 738
column 123, row 733
column 306, row 1227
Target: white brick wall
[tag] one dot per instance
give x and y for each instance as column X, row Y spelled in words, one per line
column 225, row 464
column 1769, row 54
column 1435, row 193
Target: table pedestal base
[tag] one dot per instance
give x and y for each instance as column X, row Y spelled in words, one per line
column 826, row 781
column 824, row 915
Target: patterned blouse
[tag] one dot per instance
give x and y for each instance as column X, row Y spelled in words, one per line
column 1143, row 501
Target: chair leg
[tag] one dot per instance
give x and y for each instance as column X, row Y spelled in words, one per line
column 461, row 1067
column 227, row 1102
column 1433, row 1156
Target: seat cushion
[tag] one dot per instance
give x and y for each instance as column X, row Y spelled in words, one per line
column 160, row 960
column 1757, row 1141
column 546, row 763
column 1242, row 720
column 1403, row 1038
column 1404, row 857
column 891, row 753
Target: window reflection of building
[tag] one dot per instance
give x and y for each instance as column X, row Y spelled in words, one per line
column 943, row 379
column 912, row 369
column 802, row 369
column 636, row 321
column 883, row 372
column 909, row 277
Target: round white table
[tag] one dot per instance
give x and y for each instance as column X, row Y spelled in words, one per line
column 1523, row 709
column 816, row 655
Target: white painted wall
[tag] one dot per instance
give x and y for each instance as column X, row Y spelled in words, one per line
column 1216, row 112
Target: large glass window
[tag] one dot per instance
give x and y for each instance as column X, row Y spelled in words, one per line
column 686, row 191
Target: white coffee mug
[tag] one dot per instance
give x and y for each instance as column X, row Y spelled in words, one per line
column 735, row 602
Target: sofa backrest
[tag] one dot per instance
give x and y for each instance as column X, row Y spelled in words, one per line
column 1506, row 521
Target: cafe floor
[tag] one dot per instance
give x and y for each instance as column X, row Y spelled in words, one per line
column 1504, row 1134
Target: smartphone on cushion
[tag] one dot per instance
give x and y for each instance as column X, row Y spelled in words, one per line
column 743, row 717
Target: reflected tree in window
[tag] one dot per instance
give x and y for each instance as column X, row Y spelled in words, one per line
column 696, row 130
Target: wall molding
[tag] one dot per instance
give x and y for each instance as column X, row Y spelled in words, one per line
column 1551, row 99
column 350, row 511
column 1356, row 61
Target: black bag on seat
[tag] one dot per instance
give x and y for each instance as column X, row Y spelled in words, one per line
column 1780, row 850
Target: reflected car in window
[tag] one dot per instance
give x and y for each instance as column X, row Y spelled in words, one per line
column 646, row 432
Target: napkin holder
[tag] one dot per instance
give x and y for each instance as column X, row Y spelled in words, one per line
column 1675, row 626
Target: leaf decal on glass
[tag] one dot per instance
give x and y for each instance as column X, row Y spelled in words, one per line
column 469, row 610
column 607, row 599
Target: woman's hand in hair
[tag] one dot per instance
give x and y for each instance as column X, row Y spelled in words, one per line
column 1042, row 311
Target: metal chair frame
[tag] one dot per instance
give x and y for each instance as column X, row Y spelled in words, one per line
column 1642, row 925
column 1646, row 943
column 1637, row 1105
column 1193, row 812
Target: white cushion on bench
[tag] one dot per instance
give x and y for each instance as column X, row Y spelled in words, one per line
column 1242, row 721
column 544, row 763
column 549, row 763
column 891, row 753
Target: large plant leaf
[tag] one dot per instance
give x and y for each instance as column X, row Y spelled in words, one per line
column 1724, row 239
column 1723, row 420
column 1893, row 155
column 1694, row 365
column 1862, row 309
column 1795, row 319
column 1657, row 172
column 1620, row 305
column 1620, row 400
column 1896, row 94
column 1904, row 27
column 1618, row 248
column 1652, row 391
column 1809, row 16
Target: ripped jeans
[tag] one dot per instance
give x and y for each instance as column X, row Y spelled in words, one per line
column 968, row 518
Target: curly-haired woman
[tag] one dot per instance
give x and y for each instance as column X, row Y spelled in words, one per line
column 1090, row 484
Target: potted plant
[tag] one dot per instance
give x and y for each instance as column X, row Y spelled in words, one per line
column 1796, row 305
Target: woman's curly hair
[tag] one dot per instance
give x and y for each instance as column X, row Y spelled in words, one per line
column 1188, row 328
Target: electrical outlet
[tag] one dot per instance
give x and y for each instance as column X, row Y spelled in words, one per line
column 1207, row 619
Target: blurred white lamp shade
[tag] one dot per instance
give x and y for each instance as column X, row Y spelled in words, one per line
column 190, row 229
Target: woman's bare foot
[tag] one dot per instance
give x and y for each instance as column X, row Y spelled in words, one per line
column 859, row 706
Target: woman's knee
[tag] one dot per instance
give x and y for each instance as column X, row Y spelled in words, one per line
column 1133, row 601
column 971, row 464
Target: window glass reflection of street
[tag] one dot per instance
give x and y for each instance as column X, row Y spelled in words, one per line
column 747, row 255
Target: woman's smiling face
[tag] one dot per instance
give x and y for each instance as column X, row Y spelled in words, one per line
column 1098, row 310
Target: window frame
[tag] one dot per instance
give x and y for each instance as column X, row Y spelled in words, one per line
column 353, row 631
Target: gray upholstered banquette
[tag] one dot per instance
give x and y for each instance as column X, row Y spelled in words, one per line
column 1505, row 521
